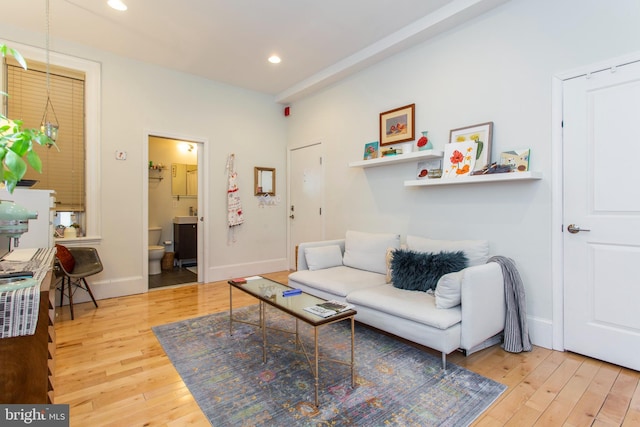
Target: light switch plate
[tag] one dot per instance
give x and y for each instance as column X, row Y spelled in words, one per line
column 121, row 155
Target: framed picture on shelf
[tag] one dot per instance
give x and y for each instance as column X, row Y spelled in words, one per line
column 371, row 150
column 517, row 159
column 481, row 134
column 459, row 159
column 397, row 125
column 427, row 166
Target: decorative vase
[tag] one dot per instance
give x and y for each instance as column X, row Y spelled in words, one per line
column 423, row 142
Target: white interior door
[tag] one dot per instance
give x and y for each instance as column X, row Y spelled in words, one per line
column 306, row 185
column 601, row 115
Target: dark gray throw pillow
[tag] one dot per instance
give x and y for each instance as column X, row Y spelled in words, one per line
column 420, row 271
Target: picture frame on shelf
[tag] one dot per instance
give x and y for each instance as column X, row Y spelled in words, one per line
column 482, row 134
column 397, row 125
column 459, row 159
column 371, row 150
column 426, row 168
column 518, row 160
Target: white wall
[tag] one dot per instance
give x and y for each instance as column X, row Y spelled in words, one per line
column 498, row 68
column 138, row 98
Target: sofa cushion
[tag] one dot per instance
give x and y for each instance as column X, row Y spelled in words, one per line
column 419, row 271
column 477, row 251
column 412, row 305
column 448, row 290
column 338, row 281
column 323, row 257
column 367, row 251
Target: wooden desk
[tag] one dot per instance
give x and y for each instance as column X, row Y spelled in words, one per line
column 27, row 363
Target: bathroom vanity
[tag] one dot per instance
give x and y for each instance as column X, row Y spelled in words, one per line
column 185, row 238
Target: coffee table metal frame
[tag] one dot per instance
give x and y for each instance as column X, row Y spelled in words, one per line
column 269, row 292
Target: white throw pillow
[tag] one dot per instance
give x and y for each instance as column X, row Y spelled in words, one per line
column 367, row 251
column 323, row 257
column 477, row 251
column 448, row 290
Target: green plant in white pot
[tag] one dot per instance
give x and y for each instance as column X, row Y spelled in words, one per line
column 16, row 143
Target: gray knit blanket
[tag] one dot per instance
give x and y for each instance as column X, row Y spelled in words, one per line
column 516, row 331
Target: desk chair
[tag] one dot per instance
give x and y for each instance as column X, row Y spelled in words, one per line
column 77, row 264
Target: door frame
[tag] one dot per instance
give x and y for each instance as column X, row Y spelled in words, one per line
column 322, row 201
column 557, row 248
column 203, row 200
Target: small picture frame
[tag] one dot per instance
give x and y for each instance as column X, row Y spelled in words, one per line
column 518, row 160
column 426, row 168
column 371, row 150
column 481, row 134
column 459, row 159
column 397, row 125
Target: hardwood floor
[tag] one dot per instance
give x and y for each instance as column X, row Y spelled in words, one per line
column 112, row 371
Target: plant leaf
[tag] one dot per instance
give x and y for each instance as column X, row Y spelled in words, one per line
column 14, row 163
column 18, row 57
column 34, row 161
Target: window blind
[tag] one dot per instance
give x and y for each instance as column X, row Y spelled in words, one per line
column 63, row 169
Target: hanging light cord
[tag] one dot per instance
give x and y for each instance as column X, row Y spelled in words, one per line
column 47, row 46
column 48, row 75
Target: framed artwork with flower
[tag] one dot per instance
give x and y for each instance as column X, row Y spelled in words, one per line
column 397, row 125
column 459, row 159
column 371, row 150
column 481, row 134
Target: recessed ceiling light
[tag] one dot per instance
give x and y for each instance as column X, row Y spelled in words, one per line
column 274, row 59
column 117, row 5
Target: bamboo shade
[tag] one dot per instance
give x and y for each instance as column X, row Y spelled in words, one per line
column 63, row 169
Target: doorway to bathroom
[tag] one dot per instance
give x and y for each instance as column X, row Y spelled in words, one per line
column 173, row 211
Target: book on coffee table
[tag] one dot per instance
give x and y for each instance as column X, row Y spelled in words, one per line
column 329, row 308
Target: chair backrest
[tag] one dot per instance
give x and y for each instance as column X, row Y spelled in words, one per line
column 67, row 261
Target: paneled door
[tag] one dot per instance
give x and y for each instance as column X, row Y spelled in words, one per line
column 306, row 185
column 601, row 214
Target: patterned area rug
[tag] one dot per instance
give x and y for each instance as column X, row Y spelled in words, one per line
column 396, row 384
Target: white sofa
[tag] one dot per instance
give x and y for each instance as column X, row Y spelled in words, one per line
column 466, row 311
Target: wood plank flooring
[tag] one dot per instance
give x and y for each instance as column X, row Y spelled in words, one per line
column 112, row 371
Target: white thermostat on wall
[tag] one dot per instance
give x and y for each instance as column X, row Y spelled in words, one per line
column 121, row 155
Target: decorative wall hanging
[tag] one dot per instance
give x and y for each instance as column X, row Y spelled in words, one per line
column 235, row 217
column 397, row 125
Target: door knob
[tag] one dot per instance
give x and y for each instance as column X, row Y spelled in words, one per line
column 292, row 216
column 574, row 229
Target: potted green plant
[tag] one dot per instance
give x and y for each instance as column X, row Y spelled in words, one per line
column 16, row 142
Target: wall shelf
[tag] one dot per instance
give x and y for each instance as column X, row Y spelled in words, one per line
column 401, row 158
column 477, row 179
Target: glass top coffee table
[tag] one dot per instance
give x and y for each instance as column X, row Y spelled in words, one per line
column 269, row 292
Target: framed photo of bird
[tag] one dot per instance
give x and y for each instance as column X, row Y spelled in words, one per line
column 397, row 125
column 481, row 134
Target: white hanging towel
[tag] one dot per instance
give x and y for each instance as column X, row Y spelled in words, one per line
column 235, row 216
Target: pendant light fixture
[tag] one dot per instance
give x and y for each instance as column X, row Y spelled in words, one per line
column 49, row 125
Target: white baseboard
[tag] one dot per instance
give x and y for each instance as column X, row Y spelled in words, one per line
column 540, row 332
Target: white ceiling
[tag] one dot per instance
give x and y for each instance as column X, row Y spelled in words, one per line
column 320, row 41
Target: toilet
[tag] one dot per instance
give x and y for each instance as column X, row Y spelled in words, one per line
column 156, row 250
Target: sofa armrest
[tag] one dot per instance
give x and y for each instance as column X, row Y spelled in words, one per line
column 483, row 304
column 302, row 261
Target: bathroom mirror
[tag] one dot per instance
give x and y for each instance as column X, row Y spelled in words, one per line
column 264, row 181
column 184, row 180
